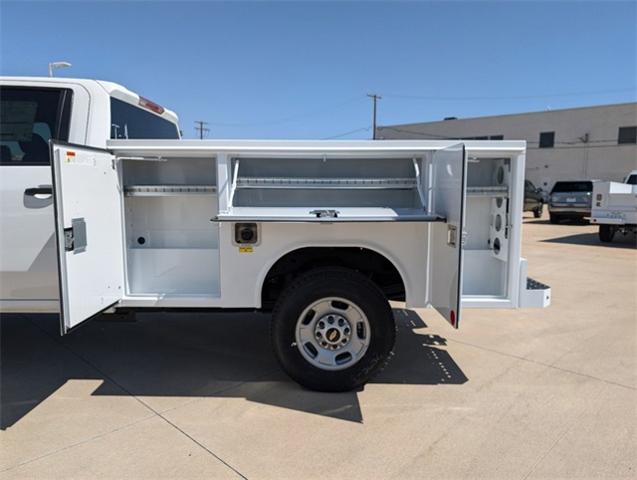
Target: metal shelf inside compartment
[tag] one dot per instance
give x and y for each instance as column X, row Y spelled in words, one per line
column 488, row 191
column 326, row 183
column 168, row 190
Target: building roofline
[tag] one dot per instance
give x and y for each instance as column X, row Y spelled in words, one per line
column 536, row 112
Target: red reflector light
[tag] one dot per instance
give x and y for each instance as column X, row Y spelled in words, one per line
column 452, row 318
column 152, row 106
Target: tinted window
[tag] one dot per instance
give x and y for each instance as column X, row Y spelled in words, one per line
column 496, row 137
column 632, row 180
column 627, row 135
column 547, row 139
column 129, row 121
column 573, row 187
column 29, row 118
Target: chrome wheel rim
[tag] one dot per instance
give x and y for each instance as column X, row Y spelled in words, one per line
column 332, row 333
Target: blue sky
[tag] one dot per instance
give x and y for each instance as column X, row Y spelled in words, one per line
column 302, row 69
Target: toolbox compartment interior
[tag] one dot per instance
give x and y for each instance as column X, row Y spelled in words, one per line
column 172, row 246
column 170, row 204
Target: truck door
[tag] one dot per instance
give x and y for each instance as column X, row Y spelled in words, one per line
column 29, row 117
column 88, row 227
column 445, row 251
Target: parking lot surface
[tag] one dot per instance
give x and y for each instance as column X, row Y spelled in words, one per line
column 513, row 394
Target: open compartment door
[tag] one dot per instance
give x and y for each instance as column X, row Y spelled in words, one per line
column 445, row 255
column 88, row 227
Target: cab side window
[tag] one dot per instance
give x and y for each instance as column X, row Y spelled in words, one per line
column 29, row 118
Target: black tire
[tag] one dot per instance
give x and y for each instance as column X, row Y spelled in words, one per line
column 332, row 282
column 554, row 218
column 537, row 213
column 606, row 233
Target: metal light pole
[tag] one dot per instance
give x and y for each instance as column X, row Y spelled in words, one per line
column 54, row 65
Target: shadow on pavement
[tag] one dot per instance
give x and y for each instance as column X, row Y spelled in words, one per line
column 620, row 241
column 189, row 355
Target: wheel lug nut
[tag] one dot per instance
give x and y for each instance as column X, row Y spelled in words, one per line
column 330, row 320
column 346, row 331
column 321, row 325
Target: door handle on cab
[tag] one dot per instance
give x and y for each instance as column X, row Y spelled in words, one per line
column 32, row 192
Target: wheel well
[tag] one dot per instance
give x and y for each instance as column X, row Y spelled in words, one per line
column 375, row 266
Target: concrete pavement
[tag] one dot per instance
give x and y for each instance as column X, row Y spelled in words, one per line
column 513, row 394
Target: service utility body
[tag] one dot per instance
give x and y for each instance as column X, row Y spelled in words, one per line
column 321, row 233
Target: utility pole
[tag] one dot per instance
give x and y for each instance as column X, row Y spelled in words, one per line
column 374, row 98
column 201, row 128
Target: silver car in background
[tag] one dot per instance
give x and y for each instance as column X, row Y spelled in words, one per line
column 570, row 200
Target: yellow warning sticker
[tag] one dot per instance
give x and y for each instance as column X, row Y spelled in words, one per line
column 245, row 249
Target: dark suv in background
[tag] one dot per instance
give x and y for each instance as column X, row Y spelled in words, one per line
column 533, row 199
column 570, row 200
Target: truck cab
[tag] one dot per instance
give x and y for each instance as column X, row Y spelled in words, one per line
column 34, row 111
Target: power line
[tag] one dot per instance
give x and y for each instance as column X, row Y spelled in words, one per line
column 347, row 133
column 507, row 97
column 201, row 128
column 291, row 118
column 422, row 134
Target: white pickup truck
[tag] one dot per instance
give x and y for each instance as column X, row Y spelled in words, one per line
column 320, row 233
column 34, row 111
column 615, row 207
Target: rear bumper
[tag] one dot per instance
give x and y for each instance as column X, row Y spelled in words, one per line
column 583, row 211
column 607, row 221
column 614, row 217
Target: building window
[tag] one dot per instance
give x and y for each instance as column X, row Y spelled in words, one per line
column 547, row 139
column 627, row 135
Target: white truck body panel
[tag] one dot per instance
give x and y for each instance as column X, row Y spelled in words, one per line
column 180, row 201
column 87, row 205
column 614, row 203
column 449, row 177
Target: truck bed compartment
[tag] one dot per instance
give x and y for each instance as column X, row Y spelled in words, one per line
column 172, row 246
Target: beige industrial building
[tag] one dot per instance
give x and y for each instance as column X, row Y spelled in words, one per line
column 598, row 142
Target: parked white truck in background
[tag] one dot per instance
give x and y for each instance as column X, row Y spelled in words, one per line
column 321, row 233
column 33, row 111
column 615, row 207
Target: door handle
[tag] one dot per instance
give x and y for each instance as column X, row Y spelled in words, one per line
column 32, row 192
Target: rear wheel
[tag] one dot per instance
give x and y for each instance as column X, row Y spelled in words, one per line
column 537, row 213
column 606, row 233
column 332, row 330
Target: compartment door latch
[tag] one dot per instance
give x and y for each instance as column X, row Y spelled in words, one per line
column 452, row 235
column 75, row 236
